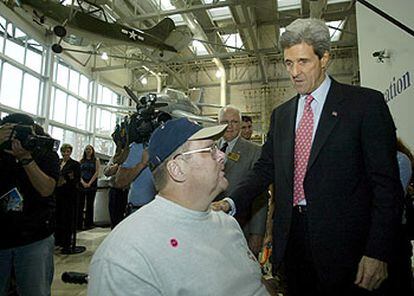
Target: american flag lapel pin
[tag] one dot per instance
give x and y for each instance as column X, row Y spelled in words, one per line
column 334, row 114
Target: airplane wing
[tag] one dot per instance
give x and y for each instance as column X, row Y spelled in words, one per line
column 175, row 113
column 181, row 113
column 209, row 105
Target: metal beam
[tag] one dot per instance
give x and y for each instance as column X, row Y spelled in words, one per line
column 184, row 10
column 116, row 67
column 317, row 8
column 254, row 44
column 284, row 20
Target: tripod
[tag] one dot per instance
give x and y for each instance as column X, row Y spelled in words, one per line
column 73, row 248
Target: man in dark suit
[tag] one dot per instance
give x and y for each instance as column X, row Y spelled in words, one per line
column 240, row 158
column 331, row 155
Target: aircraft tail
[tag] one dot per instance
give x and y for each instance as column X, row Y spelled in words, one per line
column 162, row 29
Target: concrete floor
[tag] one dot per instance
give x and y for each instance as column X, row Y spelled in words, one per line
column 91, row 239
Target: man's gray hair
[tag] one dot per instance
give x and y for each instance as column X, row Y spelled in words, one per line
column 229, row 107
column 314, row 32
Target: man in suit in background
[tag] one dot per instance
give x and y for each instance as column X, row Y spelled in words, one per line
column 330, row 153
column 241, row 156
column 246, row 127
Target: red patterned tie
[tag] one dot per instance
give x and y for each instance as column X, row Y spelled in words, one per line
column 303, row 144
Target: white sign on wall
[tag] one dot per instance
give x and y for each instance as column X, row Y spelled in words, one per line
column 386, row 57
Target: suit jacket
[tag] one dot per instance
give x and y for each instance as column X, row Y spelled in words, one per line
column 352, row 186
column 71, row 167
column 254, row 220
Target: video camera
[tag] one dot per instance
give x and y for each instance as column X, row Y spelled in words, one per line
column 139, row 126
column 31, row 141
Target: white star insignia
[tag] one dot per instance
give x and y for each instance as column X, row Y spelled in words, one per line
column 133, row 35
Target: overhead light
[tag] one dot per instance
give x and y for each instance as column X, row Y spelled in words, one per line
column 144, row 80
column 219, row 74
column 104, row 56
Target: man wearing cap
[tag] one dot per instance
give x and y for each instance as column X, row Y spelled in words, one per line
column 176, row 245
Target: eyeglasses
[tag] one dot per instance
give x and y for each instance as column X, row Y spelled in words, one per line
column 228, row 122
column 212, row 149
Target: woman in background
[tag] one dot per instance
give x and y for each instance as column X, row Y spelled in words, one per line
column 66, row 199
column 89, row 167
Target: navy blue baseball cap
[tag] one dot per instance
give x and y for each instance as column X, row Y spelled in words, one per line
column 171, row 135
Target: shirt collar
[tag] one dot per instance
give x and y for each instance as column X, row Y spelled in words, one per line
column 230, row 143
column 321, row 92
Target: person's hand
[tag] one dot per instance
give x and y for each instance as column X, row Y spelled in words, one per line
column 5, row 132
column 145, row 157
column 255, row 243
column 267, row 241
column 61, row 181
column 18, row 151
column 84, row 184
column 220, row 205
column 371, row 273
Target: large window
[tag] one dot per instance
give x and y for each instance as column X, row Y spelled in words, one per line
column 74, row 98
column 71, row 105
column 31, row 93
column 59, row 105
column 2, row 32
column 62, row 75
column 104, row 146
column 22, row 49
column 14, row 50
column 106, row 118
column 20, row 81
column 34, row 56
column 10, row 89
column 77, row 140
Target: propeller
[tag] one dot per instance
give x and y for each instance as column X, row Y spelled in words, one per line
column 139, row 102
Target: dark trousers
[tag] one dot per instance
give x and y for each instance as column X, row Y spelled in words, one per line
column 118, row 199
column 301, row 273
column 88, row 197
column 66, row 198
column 400, row 274
column 298, row 265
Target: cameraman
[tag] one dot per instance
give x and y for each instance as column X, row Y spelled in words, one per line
column 134, row 171
column 27, row 242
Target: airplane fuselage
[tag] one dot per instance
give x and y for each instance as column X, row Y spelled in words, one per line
column 86, row 25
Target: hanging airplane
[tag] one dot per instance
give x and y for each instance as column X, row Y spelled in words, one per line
column 89, row 20
column 171, row 101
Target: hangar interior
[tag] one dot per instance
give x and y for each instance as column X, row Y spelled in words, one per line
column 228, row 53
column 232, row 57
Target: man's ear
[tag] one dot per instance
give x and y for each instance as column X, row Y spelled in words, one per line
column 175, row 171
column 325, row 59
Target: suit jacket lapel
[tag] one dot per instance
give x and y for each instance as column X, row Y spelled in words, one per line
column 236, row 149
column 329, row 117
column 287, row 128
